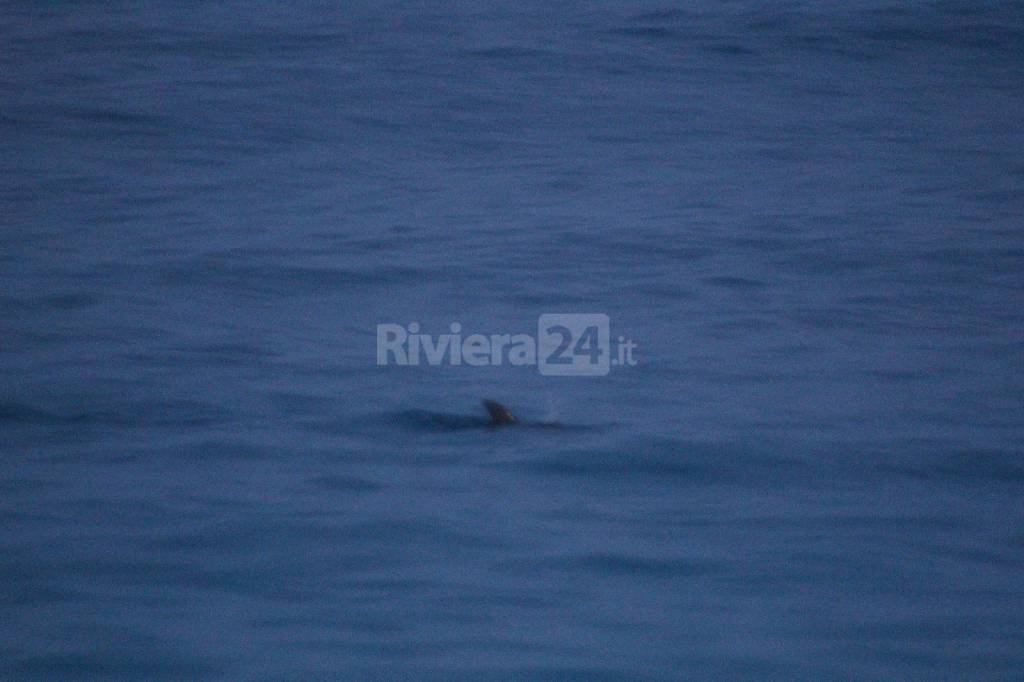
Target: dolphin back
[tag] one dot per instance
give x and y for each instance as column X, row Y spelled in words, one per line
column 500, row 414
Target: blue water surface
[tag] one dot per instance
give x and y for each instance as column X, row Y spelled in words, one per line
column 808, row 216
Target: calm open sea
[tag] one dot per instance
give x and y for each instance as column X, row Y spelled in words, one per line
column 806, row 215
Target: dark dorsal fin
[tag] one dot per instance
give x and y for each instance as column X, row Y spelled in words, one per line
column 499, row 413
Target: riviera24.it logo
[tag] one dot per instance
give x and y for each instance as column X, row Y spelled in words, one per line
column 566, row 344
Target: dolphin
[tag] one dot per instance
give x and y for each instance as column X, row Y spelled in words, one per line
column 500, row 415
